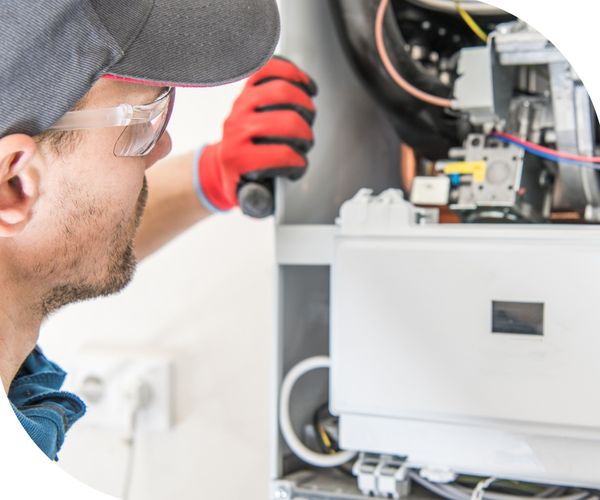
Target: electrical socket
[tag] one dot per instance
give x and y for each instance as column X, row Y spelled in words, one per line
column 107, row 380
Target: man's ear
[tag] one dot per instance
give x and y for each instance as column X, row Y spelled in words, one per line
column 19, row 183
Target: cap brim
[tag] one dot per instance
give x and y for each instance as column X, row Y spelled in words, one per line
column 201, row 43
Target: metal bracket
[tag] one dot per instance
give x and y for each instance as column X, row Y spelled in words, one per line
column 382, row 475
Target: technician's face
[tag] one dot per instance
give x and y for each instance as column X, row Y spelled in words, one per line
column 79, row 243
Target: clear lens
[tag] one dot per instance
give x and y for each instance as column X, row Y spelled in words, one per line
column 138, row 139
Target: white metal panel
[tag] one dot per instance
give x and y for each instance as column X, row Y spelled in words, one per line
column 411, row 338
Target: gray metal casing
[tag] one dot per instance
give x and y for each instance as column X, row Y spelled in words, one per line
column 357, row 148
column 484, row 87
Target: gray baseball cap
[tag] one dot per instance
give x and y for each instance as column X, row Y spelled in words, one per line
column 54, row 50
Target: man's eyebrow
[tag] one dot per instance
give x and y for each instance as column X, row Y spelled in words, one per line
column 151, row 97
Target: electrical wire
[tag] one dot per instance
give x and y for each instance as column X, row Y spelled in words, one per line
column 471, row 6
column 139, row 395
column 435, row 488
column 548, row 153
column 488, row 495
column 482, row 485
column 513, row 487
column 455, row 492
column 470, row 22
column 325, row 441
column 325, row 438
column 408, row 167
column 552, row 491
column 285, row 422
column 391, row 70
column 131, row 444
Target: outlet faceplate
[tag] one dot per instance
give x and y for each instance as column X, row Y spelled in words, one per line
column 107, row 380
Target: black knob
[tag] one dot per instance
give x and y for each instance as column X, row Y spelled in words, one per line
column 256, row 199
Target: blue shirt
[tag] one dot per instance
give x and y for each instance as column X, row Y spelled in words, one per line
column 45, row 411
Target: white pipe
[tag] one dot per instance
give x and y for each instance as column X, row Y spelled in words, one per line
column 285, row 423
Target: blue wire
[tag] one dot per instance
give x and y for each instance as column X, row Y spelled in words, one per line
column 548, row 156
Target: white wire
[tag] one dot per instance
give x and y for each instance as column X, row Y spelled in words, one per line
column 452, row 492
column 139, row 395
column 131, row 445
column 437, row 489
column 285, row 422
column 471, row 6
column 483, row 485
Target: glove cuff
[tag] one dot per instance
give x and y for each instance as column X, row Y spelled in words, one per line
column 205, row 181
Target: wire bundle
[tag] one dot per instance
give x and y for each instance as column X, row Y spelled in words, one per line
column 389, row 67
column 454, row 491
column 548, row 153
column 393, row 72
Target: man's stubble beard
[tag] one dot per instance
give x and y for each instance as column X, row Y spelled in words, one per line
column 121, row 268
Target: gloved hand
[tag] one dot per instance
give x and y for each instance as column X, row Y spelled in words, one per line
column 267, row 134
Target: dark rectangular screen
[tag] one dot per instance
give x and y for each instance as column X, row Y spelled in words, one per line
column 525, row 318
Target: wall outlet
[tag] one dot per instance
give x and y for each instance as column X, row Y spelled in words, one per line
column 112, row 381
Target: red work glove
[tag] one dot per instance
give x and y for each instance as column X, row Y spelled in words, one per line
column 267, row 134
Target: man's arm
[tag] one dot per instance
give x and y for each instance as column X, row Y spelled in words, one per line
column 173, row 204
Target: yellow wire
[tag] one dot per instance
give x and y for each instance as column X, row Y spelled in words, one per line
column 325, row 438
column 471, row 22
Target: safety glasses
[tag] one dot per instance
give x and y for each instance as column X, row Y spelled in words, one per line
column 144, row 124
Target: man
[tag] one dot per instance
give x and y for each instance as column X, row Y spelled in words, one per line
column 87, row 91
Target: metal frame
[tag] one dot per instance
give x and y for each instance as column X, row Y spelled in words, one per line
column 305, row 217
column 306, row 211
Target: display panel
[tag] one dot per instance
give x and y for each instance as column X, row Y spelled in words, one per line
column 523, row 318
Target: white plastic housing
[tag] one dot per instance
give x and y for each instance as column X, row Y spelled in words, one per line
column 108, row 381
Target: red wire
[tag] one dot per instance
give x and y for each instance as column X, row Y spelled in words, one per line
column 543, row 149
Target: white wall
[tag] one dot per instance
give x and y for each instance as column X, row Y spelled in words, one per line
column 205, row 299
